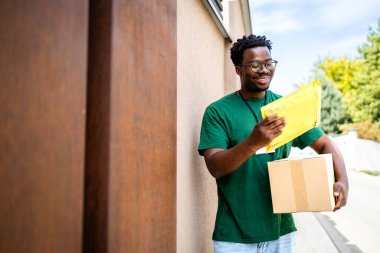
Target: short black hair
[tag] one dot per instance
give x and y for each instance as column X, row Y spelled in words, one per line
column 242, row 44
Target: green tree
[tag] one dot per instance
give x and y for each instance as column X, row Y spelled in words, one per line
column 357, row 79
column 359, row 82
column 340, row 70
column 363, row 99
column 333, row 114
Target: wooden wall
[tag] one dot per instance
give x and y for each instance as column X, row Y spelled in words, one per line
column 143, row 127
column 43, row 56
column 88, row 126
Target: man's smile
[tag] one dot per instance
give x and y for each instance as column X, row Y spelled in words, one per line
column 263, row 79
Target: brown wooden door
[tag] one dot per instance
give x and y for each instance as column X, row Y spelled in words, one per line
column 87, row 126
column 131, row 183
column 43, row 57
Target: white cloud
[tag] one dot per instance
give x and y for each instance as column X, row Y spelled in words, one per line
column 346, row 46
column 260, row 3
column 341, row 13
column 303, row 31
column 277, row 21
column 280, row 16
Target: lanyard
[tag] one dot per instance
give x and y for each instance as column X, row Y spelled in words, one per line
column 250, row 108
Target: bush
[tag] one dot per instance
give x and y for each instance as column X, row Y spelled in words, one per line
column 366, row 130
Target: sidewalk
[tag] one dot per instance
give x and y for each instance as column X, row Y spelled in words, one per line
column 311, row 236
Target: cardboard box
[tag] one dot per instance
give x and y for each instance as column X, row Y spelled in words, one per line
column 302, row 184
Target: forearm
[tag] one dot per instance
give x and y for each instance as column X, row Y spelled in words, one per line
column 338, row 161
column 325, row 146
column 222, row 162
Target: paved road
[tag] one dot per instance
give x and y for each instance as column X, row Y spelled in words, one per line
column 311, row 236
column 358, row 224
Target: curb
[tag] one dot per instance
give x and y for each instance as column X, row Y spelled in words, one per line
column 340, row 242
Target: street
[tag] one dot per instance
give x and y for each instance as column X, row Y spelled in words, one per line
column 359, row 221
column 355, row 228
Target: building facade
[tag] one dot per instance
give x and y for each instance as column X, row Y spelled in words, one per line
column 100, row 108
column 205, row 73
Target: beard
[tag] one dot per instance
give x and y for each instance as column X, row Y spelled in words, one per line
column 252, row 88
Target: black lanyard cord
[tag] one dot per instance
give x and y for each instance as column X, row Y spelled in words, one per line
column 250, row 108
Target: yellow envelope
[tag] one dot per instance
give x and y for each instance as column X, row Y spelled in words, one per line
column 301, row 109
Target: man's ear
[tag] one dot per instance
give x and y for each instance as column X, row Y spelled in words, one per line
column 238, row 70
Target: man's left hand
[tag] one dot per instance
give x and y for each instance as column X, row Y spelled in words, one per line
column 340, row 195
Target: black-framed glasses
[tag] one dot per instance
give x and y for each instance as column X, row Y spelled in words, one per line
column 257, row 66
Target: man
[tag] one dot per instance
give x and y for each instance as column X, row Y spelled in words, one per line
column 232, row 137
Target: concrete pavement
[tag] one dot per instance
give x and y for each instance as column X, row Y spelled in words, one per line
column 358, row 223
column 311, row 236
column 355, row 228
column 318, row 233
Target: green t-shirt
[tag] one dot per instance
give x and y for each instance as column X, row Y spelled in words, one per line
column 245, row 213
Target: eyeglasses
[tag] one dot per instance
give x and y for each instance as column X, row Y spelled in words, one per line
column 257, row 66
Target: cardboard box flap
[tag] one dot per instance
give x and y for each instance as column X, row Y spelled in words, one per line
column 311, row 156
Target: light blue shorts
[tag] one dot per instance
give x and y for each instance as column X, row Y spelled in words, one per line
column 285, row 244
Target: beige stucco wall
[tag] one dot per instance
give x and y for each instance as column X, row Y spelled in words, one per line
column 237, row 30
column 204, row 74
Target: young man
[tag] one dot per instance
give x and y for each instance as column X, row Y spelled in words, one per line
column 232, row 135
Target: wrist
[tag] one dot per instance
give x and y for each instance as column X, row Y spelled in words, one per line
column 343, row 181
column 251, row 147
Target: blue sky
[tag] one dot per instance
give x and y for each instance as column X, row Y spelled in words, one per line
column 304, row 31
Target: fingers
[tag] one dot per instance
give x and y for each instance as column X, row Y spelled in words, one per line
column 340, row 195
column 271, row 127
column 270, row 119
column 273, row 121
column 275, row 124
column 268, row 129
column 338, row 201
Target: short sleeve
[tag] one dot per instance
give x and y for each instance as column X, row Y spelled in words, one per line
column 307, row 138
column 213, row 131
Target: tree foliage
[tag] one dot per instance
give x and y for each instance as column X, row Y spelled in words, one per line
column 332, row 112
column 363, row 99
column 340, row 70
column 359, row 82
column 365, row 129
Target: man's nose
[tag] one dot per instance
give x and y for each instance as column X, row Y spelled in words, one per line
column 264, row 69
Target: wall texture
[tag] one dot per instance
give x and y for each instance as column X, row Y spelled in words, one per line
column 205, row 73
column 131, row 133
column 237, row 30
column 200, row 69
column 42, row 113
column 359, row 154
column 88, row 126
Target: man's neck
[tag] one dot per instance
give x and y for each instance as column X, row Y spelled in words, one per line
column 251, row 95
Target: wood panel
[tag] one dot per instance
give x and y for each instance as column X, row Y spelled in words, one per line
column 143, row 148
column 97, row 169
column 134, row 104
column 42, row 118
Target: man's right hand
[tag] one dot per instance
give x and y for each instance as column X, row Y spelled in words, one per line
column 266, row 130
column 221, row 162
